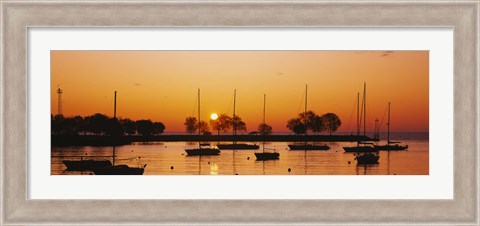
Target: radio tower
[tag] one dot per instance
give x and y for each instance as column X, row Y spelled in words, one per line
column 59, row 93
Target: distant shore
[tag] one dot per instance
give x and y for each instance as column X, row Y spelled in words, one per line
column 91, row 140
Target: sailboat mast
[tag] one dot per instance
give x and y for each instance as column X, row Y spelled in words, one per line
column 305, row 112
column 115, row 106
column 264, row 100
column 114, row 116
column 358, row 118
column 388, row 126
column 199, row 132
column 234, row 104
column 365, row 109
column 264, row 126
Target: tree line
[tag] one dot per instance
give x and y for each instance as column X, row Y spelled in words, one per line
column 305, row 122
column 99, row 124
column 222, row 124
column 309, row 121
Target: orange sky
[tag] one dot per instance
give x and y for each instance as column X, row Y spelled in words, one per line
column 162, row 85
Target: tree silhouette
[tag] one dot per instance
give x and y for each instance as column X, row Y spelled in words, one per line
column 264, row 129
column 96, row 123
column 128, row 126
column 158, row 128
column 332, row 122
column 203, row 127
column 317, row 124
column 307, row 118
column 113, row 127
column 57, row 124
column 144, row 127
column 222, row 123
column 296, row 126
column 190, row 125
column 238, row 124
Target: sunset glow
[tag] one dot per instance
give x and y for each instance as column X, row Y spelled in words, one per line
column 214, row 116
column 162, row 85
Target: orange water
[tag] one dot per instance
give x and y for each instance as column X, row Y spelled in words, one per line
column 160, row 157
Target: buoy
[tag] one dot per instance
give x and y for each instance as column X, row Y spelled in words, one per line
column 171, row 167
column 208, row 163
column 248, row 158
column 289, row 170
column 348, row 162
column 236, row 174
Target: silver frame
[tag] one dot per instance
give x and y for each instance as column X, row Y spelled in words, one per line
column 17, row 16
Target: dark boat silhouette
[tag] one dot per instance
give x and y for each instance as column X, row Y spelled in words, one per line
column 366, row 153
column 266, row 155
column 202, row 147
column 308, row 147
column 367, row 158
column 365, row 147
column 305, row 146
column 85, row 165
column 119, row 169
column 238, row 146
column 388, row 147
column 235, row 145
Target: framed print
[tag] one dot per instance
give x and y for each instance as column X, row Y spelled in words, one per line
column 122, row 88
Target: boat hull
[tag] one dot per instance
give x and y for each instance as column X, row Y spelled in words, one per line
column 267, row 155
column 202, row 151
column 86, row 165
column 308, row 147
column 367, row 158
column 118, row 170
column 359, row 149
column 390, row 147
column 238, row 146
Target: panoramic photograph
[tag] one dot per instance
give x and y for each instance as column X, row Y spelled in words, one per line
column 359, row 112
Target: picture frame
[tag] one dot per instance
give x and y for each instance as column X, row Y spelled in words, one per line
column 18, row 16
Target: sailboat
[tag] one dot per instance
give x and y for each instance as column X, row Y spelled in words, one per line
column 266, row 155
column 305, row 146
column 366, row 146
column 202, row 149
column 367, row 156
column 118, row 169
column 85, row 165
column 388, row 146
column 235, row 145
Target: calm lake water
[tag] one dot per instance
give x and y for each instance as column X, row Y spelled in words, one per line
column 161, row 156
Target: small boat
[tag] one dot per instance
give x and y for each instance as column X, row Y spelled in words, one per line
column 305, row 146
column 202, row 151
column 266, row 155
column 388, row 147
column 235, row 145
column 359, row 149
column 203, row 148
column 238, row 146
column 366, row 151
column 118, row 169
column 302, row 147
column 85, row 165
column 367, row 158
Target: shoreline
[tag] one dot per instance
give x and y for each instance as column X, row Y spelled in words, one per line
column 96, row 140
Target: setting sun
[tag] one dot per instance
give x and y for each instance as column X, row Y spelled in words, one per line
column 214, row 116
